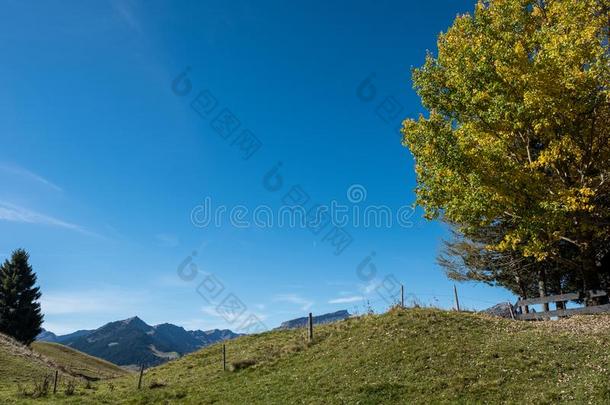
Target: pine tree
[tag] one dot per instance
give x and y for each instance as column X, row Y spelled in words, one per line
column 20, row 315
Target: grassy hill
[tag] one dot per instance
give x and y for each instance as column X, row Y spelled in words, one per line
column 77, row 363
column 404, row 356
column 23, row 370
column 18, row 365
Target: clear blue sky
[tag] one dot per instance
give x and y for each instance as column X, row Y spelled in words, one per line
column 102, row 163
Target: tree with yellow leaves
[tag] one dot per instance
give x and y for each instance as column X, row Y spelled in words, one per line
column 518, row 133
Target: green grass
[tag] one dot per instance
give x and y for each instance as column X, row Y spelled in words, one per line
column 405, row 356
column 18, row 365
column 77, row 363
column 22, row 368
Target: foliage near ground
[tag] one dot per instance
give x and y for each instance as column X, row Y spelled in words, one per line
column 404, row 356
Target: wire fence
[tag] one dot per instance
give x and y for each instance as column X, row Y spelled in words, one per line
column 421, row 299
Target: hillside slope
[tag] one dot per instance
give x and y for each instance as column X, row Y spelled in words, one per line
column 18, row 365
column 77, row 363
column 22, row 368
column 405, row 356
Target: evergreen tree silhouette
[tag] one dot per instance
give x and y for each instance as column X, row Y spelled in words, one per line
column 20, row 315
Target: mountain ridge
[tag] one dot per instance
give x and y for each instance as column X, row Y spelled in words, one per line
column 131, row 342
column 317, row 320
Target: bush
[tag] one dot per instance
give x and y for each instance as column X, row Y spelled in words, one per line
column 22, row 391
column 70, row 388
column 241, row 364
column 156, row 384
column 41, row 389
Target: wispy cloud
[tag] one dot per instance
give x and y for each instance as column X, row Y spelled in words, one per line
column 125, row 12
column 346, row 300
column 170, row 280
column 211, row 310
column 27, row 174
column 167, row 240
column 106, row 301
column 215, row 320
column 203, row 324
column 62, row 328
column 296, row 299
column 371, row 286
column 14, row 213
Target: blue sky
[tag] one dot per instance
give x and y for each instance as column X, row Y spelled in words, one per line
column 102, row 162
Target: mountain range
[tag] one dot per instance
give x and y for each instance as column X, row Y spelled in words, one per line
column 320, row 319
column 132, row 342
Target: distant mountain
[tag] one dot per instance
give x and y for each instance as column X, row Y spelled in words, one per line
column 503, row 310
column 212, row 336
column 320, row 319
column 131, row 342
column 47, row 336
column 71, row 336
column 178, row 338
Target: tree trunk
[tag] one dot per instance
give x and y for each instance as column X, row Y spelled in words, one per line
column 590, row 278
column 523, row 293
column 558, row 288
column 542, row 288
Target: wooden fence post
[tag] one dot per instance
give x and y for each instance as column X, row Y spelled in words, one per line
column 402, row 296
column 524, row 308
column 140, row 378
column 224, row 357
column 457, row 300
column 310, row 327
column 55, row 382
column 510, row 308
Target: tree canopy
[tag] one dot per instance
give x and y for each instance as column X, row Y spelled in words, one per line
column 515, row 151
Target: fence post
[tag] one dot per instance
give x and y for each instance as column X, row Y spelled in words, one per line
column 310, row 327
column 224, row 357
column 524, row 308
column 140, row 378
column 55, row 382
column 402, row 296
column 510, row 308
column 457, row 300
